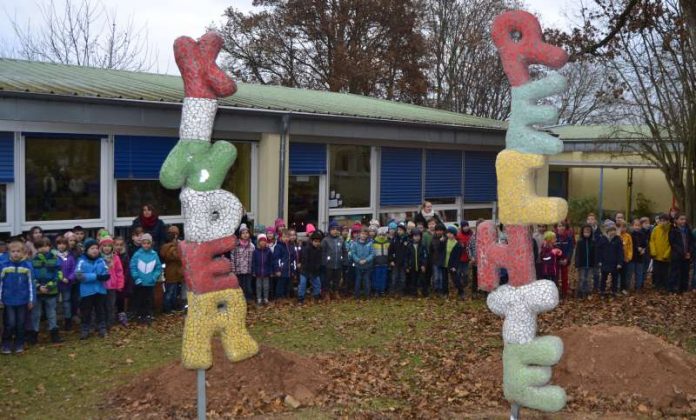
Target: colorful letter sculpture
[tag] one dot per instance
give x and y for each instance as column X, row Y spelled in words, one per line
column 527, row 359
column 198, row 167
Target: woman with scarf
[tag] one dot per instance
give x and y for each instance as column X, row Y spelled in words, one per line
column 426, row 213
column 151, row 223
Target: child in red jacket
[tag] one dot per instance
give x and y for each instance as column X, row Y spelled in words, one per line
column 550, row 256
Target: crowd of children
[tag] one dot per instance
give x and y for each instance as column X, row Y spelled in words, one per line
column 100, row 280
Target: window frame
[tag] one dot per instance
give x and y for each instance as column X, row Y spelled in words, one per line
column 6, row 226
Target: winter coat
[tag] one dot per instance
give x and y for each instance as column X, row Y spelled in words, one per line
column 16, row 284
column 360, row 250
column 610, row 253
column 400, row 251
column 419, row 217
column 4, row 257
column 262, row 262
column 419, row 254
column 464, row 239
column 639, row 240
column 549, row 260
column 284, row 259
column 453, row 252
column 566, row 243
column 310, row 259
column 127, row 278
column 437, row 251
column 173, row 270
column 680, row 244
column 660, row 248
column 46, row 273
column 380, row 248
column 158, row 232
column 92, row 275
column 585, row 253
column 116, row 278
column 627, row 242
column 332, row 252
column 145, row 267
column 241, row 257
column 68, row 263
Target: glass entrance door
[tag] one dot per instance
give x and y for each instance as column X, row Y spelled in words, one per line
column 305, row 204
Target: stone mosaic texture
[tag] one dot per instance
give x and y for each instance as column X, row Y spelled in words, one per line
column 516, row 256
column 198, row 167
column 518, row 202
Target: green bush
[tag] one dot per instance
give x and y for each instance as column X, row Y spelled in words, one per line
column 579, row 208
column 643, row 206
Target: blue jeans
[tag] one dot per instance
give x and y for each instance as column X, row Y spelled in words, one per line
column 584, row 281
column 362, row 281
column 596, row 275
column 171, row 294
column 398, row 279
column 437, row 279
column 380, row 280
column 281, row 290
column 302, row 289
column 47, row 304
column 639, row 268
column 245, row 284
column 461, row 278
column 66, row 296
column 629, row 269
column 13, row 325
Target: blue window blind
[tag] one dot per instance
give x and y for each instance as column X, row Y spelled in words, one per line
column 443, row 174
column 6, row 157
column 141, row 157
column 401, row 177
column 307, row 158
column 480, row 181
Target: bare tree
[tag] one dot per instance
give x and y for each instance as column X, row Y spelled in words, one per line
column 84, row 33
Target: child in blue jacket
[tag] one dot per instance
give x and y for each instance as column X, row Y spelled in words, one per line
column 362, row 253
column 262, row 268
column 285, row 258
column 92, row 273
column 17, row 294
column 145, row 268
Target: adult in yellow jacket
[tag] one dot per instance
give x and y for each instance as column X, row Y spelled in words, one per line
column 660, row 251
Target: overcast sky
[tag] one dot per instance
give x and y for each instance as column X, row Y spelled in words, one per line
column 168, row 19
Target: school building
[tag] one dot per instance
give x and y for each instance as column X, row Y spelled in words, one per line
column 84, row 146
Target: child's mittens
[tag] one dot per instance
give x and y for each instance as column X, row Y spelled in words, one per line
column 527, row 371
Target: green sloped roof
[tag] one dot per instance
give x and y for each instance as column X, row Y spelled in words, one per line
column 600, row 132
column 60, row 79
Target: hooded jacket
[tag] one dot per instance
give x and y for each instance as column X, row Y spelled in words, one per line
column 46, row 273
column 16, row 284
column 241, row 257
column 360, row 250
column 284, row 258
column 145, row 267
column 400, row 251
column 92, row 275
column 173, row 271
column 639, row 240
column 585, row 253
column 437, row 251
column 420, row 256
column 380, row 247
column 262, row 262
column 680, row 243
column 68, row 263
column 310, row 259
column 332, row 249
column 117, row 280
column 464, row 238
column 660, row 248
column 610, row 253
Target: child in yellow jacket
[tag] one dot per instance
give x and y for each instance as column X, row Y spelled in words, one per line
column 626, row 271
column 660, row 251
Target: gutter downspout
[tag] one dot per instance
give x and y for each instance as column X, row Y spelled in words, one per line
column 281, row 178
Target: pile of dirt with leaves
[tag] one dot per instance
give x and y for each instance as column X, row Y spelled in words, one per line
column 439, row 358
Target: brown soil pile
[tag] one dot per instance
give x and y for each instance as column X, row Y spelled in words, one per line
column 256, row 385
column 625, row 364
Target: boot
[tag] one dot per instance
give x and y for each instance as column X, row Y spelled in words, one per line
column 84, row 334
column 32, row 337
column 123, row 319
column 68, row 324
column 55, row 336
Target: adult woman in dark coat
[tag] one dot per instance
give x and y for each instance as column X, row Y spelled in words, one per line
column 426, row 213
column 151, row 223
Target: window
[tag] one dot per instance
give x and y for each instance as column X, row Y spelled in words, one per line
column 437, row 201
column 349, row 220
column 3, row 203
column 350, row 176
column 132, row 194
column 386, row 217
column 62, row 178
column 303, row 202
column 238, row 179
column 475, row 214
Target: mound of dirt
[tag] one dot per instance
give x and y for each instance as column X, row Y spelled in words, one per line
column 620, row 362
column 258, row 384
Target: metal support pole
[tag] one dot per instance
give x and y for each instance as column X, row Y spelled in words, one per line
column 201, row 394
column 629, row 194
column 281, row 181
column 601, row 195
column 515, row 411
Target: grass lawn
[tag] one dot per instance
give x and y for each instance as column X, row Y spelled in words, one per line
column 408, row 338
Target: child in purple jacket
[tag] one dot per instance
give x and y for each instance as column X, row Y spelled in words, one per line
column 262, row 268
column 68, row 264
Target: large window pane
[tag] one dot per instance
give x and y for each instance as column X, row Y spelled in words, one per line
column 303, row 202
column 132, row 194
column 350, row 176
column 475, row 214
column 62, row 178
column 3, row 203
column 238, row 179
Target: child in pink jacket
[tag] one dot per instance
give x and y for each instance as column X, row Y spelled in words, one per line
column 116, row 277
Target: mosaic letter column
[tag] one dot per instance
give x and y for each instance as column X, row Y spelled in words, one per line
column 198, row 167
column 527, row 359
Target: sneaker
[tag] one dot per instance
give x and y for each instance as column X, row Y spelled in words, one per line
column 625, row 292
column 265, row 302
column 6, row 350
column 259, row 302
column 123, row 319
column 19, row 350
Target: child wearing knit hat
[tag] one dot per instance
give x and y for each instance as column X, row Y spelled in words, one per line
column 116, row 278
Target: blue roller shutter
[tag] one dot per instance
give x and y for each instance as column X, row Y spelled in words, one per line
column 6, row 157
column 307, row 158
column 401, row 177
column 480, row 181
column 443, row 174
column 141, row 157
